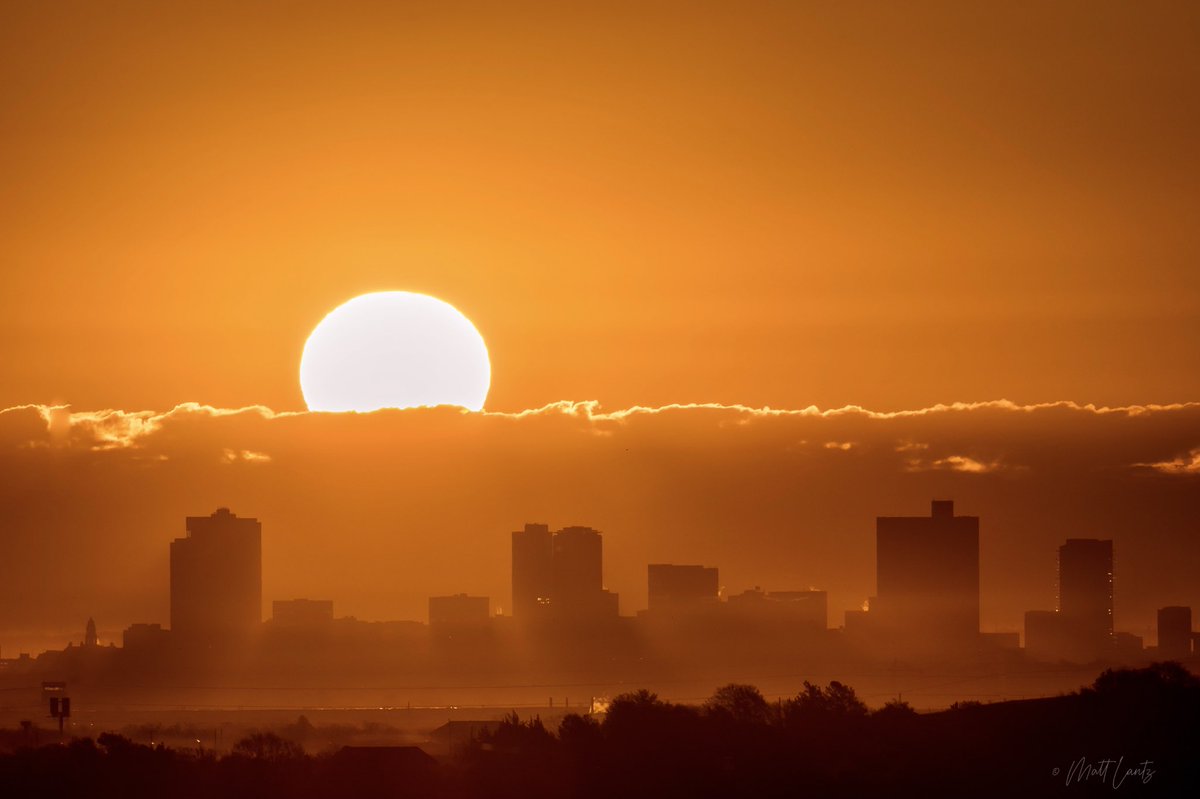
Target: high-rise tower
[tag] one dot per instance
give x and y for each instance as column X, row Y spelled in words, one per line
column 927, row 573
column 216, row 578
column 532, row 571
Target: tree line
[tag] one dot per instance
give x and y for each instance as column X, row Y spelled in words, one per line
column 822, row 742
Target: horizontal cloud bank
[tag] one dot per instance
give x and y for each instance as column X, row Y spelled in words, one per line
column 378, row 511
column 115, row 429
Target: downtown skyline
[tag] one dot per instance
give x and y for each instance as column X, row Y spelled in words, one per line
column 796, row 484
column 926, row 600
column 544, row 399
column 745, row 278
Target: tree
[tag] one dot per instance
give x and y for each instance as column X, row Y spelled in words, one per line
column 514, row 735
column 641, row 720
column 743, row 704
column 579, row 733
column 896, row 709
column 117, row 745
column 269, row 747
column 1157, row 678
column 836, row 702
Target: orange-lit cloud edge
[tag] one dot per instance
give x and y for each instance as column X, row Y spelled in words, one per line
column 112, row 429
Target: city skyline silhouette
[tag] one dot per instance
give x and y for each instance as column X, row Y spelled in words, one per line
column 924, row 611
column 541, row 399
column 790, row 502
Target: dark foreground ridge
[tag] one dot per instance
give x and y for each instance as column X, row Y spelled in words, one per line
column 1133, row 732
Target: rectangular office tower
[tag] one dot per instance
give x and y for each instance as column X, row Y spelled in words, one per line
column 578, row 565
column 927, row 579
column 1081, row 629
column 532, row 571
column 577, row 590
column 1085, row 598
column 559, row 575
column 216, row 578
column 1175, row 632
column 674, row 588
column 1085, row 585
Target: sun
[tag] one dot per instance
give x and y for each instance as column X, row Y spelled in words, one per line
column 394, row 349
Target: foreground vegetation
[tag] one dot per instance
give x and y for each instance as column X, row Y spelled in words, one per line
column 823, row 742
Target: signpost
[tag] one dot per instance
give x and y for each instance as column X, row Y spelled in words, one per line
column 60, row 703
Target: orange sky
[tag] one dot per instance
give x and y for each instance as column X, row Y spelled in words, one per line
column 771, row 203
column 783, row 204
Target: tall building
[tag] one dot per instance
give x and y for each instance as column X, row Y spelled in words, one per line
column 675, row 588
column 927, row 578
column 1175, row 632
column 532, row 570
column 1081, row 629
column 1085, row 595
column 578, row 565
column 216, row 578
column 577, row 589
column 144, row 637
column 559, row 575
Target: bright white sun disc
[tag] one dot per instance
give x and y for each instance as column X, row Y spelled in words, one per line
column 394, row 349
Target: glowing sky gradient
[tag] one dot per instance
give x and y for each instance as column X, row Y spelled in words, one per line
column 681, row 213
column 762, row 203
